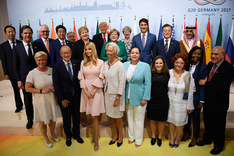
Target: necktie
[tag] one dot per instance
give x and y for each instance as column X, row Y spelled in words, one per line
column 212, row 72
column 47, row 46
column 69, row 70
column 13, row 44
column 63, row 43
column 104, row 38
column 166, row 46
column 29, row 51
column 143, row 41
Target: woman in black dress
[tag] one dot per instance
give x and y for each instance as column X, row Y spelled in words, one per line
column 157, row 109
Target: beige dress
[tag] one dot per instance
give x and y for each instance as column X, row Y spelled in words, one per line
column 45, row 105
column 115, row 84
column 90, row 77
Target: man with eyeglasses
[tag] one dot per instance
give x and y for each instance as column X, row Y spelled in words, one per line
column 44, row 43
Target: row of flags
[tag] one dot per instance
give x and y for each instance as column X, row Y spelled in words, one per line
column 207, row 41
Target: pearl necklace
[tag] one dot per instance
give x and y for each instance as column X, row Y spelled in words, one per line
column 110, row 64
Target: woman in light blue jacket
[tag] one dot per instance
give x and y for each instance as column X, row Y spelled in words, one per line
column 137, row 93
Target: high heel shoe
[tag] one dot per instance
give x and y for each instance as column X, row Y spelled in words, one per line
column 119, row 144
column 96, row 148
column 55, row 139
column 48, row 145
column 112, row 142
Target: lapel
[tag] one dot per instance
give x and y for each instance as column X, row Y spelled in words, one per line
column 195, row 73
column 139, row 41
column 64, row 68
column 8, row 46
column 42, row 43
column 136, row 71
column 73, row 69
column 172, row 43
column 22, row 50
column 161, row 42
column 148, row 39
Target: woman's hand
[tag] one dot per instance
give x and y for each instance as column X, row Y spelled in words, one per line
column 143, row 102
column 46, row 90
column 116, row 102
column 87, row 93
column 189, row 111
column 52, row 89
column 119, row 58
column 92, row 93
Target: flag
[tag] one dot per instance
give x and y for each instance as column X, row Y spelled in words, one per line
column 97, row 29
column 173, row 29
column 219, row 39
column 85, row 22
column 207, row 42
column 62, row 21
column 160, row 36
column 74, row 30
column 39, row 28
column 109, row 27
column 196, row 27
column 230, row 46
column 120, row 29
column 53, row 36
column 135, row 27
column 20, row 37
column 29, row 25
column 148, row 24
column 182, row 37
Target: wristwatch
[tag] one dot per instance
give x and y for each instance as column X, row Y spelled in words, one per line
column 117, row 97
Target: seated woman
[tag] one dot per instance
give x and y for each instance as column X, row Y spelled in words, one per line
column 122, row 55
column 46, row 110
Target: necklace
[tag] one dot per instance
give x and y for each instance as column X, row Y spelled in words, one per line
column 110, row 64
column 176, row 82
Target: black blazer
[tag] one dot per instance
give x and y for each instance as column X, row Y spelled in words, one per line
column 217, row 89
column 98, row 41
column 22, row 64
column 78, row 49
column 173, row 49
column 6, row 55
column 63, row 84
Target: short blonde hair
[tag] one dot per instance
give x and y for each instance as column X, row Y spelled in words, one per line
column 81, row 29
column 114, row 30
column 116, row 47
column 39, row 54
column 103, row 23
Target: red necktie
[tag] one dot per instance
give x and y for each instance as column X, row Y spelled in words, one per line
column 166, row 47
column 212, row 72
column 104, row 38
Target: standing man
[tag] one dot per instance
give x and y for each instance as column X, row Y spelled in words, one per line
column 146, row 42
column 58, row 43
column 71, row 36
column 44, row 43
column 6, row 53
column 23, row 62
column 217, row 86
column 101, row 38
column 67, row 89
column 167, row 47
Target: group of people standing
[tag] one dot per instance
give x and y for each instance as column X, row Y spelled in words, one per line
column 165, row 78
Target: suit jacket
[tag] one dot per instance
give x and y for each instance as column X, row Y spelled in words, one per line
column 174, row 48
column 40, row 46
column 22, row 63
column 63, row 84
column 199, row 95
column 98, row 41
column 217, row 89
column 140, row 83
column 149, row 52
column 55, row 49
column 78, row 50
column 6, row 55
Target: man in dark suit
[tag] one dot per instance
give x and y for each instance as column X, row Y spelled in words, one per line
column 101, row 38
column 6, row 54
column 68, row 93
column 145, row 41
column 44, row 43
column 71, row 36
column 167, row 47
column 58, row 43
column 217, row 86
column 23, row 62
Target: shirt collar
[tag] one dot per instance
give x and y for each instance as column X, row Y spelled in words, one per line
column 66, row 62
column 62, row 41
column 26, row 44
column 145, row 34
column 218, row 64
column 11, row 41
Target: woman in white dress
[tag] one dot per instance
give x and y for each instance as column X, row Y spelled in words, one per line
column 46, row 110
column 180, row 97
column 115, row 76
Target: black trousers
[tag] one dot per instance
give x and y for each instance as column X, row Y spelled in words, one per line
column 28, row 105
column 18, row 100
column 71, row 111
column 215, row 124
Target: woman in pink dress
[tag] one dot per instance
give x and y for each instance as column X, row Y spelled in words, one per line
column 92, row 80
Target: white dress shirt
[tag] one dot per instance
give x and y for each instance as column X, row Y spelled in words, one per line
column 26, row 48
column 146, row 34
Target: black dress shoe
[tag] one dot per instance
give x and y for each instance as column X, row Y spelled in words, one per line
column 68, row 142
column 215, row 151
column 18, row 110
column 153, row 141
column 191, row 145
column 159, row 142
column 119, row 144
column 80, row 140
column 29, row 124
column 185, row 137
column 202, row 143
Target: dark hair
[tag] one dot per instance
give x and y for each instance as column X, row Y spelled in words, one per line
column 190, row 59
column 25, row 27
column 143, row 20
column 165, row 69
column 166, row 25
column 180, row 55
column 8, row 26
column 137, row 48
column 60, row 26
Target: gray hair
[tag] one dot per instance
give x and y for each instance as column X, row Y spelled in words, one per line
column 222, row 49
column 116, row 47
column 44, row 26
column 71, row 32
column 127, row 28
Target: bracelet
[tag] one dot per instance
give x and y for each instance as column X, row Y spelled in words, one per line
column 40, row 91
column 117, row 97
